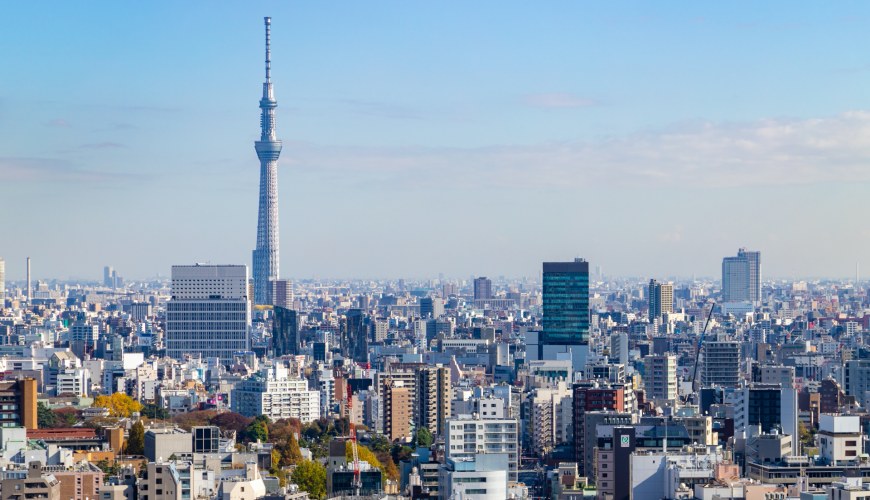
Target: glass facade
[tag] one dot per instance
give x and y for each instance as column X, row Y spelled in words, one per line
column 285, row 332
column 566, row 303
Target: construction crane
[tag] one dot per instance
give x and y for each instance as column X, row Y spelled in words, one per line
column 698, row 352
column 357, row 480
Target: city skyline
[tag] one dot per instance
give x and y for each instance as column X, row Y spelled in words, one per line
column 550, row 145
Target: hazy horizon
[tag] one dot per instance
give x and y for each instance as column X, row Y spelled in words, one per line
column 459, row 138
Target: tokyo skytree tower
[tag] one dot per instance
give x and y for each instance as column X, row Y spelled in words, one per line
column 268, row 149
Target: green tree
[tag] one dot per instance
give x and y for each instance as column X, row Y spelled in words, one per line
column 342, row 426
column 310, row 476
column 424, row 437
column 45, row 418
column 136, row 440
column 108, row 468
column 380, row 444
column 400, row 452
column 151, row 410
column 257, row 431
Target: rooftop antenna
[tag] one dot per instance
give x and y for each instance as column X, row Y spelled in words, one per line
column 268, row 22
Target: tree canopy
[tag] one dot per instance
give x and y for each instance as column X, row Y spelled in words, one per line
column 45, row 418
column 424, row 437
column 310, row 476
column 136, row 440
column 118, row 404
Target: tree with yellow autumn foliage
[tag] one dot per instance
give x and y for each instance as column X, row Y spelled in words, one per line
column 118, row 404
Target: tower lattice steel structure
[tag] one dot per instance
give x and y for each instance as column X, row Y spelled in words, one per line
column 268, row 149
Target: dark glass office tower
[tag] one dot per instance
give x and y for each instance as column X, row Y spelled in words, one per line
column 285, row 332
column 566, row 303
column 356, row 344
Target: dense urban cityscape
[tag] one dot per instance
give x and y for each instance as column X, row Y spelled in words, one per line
column 227, row 381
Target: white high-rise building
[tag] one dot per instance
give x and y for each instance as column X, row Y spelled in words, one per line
column 469, row 436
column 272, row 392
column 741, row 277
column 209, row 314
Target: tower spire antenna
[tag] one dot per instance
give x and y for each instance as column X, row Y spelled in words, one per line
column 268, row 23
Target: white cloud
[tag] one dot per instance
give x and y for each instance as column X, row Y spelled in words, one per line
column 764, row 152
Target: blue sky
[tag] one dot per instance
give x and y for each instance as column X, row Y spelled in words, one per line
column 426, row 137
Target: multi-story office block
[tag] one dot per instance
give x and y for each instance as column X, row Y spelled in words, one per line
column 566, row 303
column 468, row 437
column 379, row 327
column 354, row 338
column 285, row 332
column 282, row 293
column 273, row 393
column 566, row 312
column 741, row 277
column 766, row 408
column 481, row 477
column 721, row 363
column 661, row 299
column 431, row 307
column 619, row 347
column 482, row 288
column 209, row 313
column 840, row 439
column 660, row 377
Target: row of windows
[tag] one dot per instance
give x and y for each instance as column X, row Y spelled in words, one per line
column 172, row 306
column 202, row 316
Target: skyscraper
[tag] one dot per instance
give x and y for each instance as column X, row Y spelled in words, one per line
column 108, row 276
column 355, row 338
column 268, row 149
column 482, row 288
column 741, row 277
column 566, row 303
column 566, row 311
column 209, row 313
column 285, row 332
column 661, row 299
